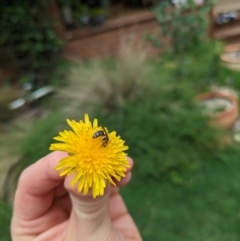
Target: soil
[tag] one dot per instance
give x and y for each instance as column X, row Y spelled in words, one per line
column 216, row 105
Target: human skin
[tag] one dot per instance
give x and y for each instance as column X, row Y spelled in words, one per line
column 47, row 208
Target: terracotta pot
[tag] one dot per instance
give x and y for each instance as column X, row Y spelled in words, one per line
column 225, row 118
column 231, row 56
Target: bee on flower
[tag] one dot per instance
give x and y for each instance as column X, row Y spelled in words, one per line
column 96, row 157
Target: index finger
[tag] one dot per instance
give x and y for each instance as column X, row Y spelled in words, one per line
column 35, row 191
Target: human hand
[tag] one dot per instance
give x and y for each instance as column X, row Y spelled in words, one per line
column 46, row 208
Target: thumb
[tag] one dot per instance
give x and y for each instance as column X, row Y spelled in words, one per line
column 89, row 219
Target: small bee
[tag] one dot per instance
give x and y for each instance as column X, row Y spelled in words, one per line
column 104, row 134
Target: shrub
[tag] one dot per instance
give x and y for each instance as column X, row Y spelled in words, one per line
column 28, row 38
column 167, row 134
column 183, row 27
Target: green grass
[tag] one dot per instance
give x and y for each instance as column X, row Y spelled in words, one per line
column 206, row 208
column 36, row 143
column 5, row 217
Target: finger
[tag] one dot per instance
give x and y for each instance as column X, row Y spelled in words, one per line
column 35, row 191
column 60, row 191
column 131, row 163
column 90, row 216
column 125, row 180
column 120, row 208
column 121, row 218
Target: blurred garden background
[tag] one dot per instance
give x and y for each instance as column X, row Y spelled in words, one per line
column 164, row 74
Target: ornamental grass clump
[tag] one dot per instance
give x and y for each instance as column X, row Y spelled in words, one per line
column 107, row 82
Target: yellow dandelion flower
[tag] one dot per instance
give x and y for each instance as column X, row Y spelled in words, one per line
column 96, row 157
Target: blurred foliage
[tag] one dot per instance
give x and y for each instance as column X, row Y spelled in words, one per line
column 108, row 82
column 36, row 143
column 150, row 103
column 28, row 39
column 166, row 132
column 155, row 99
column 201, row 66
column 83, row 12
column 5, row 218
column 184, row 26
column 205, row 208
column 28, row 142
